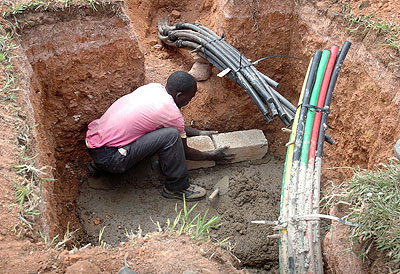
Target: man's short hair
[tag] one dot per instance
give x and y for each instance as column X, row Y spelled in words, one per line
column 181, row 81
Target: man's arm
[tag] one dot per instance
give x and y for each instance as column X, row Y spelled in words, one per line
column 195, row 132
column 217, row 155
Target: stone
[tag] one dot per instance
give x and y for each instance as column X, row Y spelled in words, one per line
column 175, row 14
column 201, row 71
column 245, row 145
column 83, row 266
column 157, row 46
column 202, row 143
column 197, row 58
column 97, row 221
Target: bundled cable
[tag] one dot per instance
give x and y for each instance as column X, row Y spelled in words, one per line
column 300, row 243
column 213, row 48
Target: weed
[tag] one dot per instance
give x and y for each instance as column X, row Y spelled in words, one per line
column 93, row 4
column 20, row 8
column 298, row 2
column 374, row 203
column 28, row 186
column 7, row 54
column 255, row 11
column 102, row 243
column 58, row 244
column 199, row 227
column 365, row 23
column 132, row 236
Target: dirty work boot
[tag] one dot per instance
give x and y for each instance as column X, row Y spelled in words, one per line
column 192, row 193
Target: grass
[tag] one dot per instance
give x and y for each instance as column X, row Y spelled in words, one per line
column 365, row 23
column 28, row 188
column 373, row 198
column 298, row 2
column 7, row 53
column 12, row 9
column 198, row 227
column 57, row 243
column 18, row 8
column 102, row 243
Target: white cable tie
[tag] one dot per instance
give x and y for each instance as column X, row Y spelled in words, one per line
column 274, row 236
column 224, row 72
column 289, row 143
column 263, row 222
column 318, row 216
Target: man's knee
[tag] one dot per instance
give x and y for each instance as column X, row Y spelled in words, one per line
column 171, row 133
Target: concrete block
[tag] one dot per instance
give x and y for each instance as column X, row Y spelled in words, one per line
column 202, row 143
column 246, row 144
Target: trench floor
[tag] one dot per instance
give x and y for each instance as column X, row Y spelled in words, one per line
column 124, row 202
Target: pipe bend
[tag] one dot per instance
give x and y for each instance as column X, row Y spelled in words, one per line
column 179, row 25
column 172, row 36
column 179, row 43
column 165, row 32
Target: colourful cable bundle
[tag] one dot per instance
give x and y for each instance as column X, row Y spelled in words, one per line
column 300, row 245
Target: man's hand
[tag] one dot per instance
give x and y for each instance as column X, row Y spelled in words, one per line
column 195, row 132
column 220, row 156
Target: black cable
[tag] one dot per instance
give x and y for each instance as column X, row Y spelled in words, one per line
column 335, row 74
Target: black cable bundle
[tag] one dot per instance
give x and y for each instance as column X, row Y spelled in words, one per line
column 230, row 61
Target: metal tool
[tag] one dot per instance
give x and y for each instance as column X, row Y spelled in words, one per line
column 220, row 188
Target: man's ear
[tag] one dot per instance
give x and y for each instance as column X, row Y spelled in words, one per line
column 178, row 94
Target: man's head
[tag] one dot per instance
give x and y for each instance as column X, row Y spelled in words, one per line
column 182, row 87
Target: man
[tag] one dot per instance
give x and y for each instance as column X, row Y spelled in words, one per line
column 147, row 122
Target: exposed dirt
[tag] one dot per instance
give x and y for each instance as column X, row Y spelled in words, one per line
column 79, row 64
column 78, row 61
column 162, row 253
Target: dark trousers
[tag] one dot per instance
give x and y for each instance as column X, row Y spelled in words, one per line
column 166, row 142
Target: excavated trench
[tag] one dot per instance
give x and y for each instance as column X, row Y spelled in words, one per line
column 80, row 60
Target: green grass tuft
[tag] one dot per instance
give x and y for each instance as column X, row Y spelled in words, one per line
column 28, row 188
column 17, row 8
column 389, row 30
column 374, row 203
column 198, row 226
column 7, row 54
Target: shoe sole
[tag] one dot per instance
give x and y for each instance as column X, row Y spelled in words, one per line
column 180, row 197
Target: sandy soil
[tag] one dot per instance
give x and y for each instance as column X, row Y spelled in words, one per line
column 364, row 137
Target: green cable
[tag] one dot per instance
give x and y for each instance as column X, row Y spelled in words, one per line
column 313, row 102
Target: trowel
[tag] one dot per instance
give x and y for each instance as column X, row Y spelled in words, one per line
column 220, row 188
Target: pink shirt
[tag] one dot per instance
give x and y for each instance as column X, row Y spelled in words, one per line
column 148, row 108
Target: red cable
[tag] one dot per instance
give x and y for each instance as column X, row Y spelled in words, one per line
column 320, row 103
